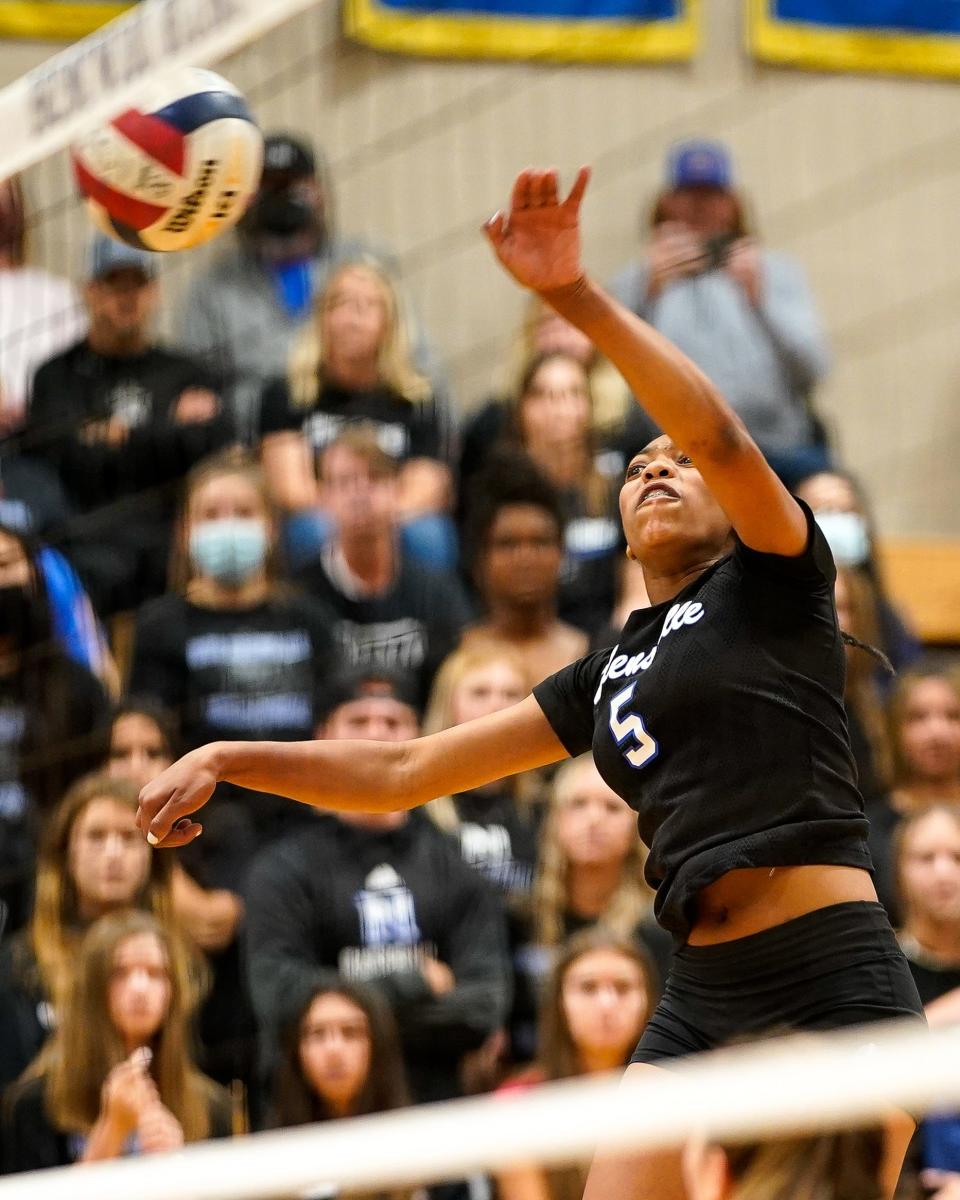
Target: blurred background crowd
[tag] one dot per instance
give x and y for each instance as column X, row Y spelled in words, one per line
column 278, row 525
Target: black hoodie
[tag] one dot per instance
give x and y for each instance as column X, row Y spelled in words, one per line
column 340, row 902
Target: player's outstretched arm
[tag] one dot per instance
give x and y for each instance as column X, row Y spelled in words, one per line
column 350, row 775
column 538, row 241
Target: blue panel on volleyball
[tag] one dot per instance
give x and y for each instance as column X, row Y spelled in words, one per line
column 878, row 16
column 190, row 112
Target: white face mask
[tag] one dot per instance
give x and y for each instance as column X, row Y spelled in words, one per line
column 847, row 537
column 230, row 550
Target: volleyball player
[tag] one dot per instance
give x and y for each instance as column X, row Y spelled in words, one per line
column 718, row 715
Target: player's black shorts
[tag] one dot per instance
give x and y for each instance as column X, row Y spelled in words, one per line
column 835, row 966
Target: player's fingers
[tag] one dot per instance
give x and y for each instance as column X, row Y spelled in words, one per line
column 549, row 188
column 158, row 817
column 579, row 187
column 495, row 229
column 537, row 188
column 183, row 833
column 520, row 198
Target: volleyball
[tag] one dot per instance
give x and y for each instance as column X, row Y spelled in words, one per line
column 177, row 169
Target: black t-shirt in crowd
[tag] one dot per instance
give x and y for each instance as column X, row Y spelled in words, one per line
column 593, row 545
column 498, row 838
column 238, row 675
column 932, row 978
column 79, row 388
column 31, row 1141
column 719, row 717
column 403, row 429
column 411, row 627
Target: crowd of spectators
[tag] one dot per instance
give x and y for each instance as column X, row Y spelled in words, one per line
column 274, row 529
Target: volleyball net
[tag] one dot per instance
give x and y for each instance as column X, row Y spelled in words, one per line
column 794, row 1085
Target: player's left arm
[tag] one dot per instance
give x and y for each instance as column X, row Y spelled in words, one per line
column 538, row 241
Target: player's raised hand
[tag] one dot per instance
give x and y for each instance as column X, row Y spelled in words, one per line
column 166, row 802
column 538, row 238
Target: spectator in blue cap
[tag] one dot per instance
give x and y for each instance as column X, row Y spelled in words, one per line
column 743, row 313
column 121, row 419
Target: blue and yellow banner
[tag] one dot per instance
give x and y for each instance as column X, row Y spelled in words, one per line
column 915, row 37
column 550, row 30
column 49, row 20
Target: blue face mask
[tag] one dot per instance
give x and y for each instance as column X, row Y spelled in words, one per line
column 230, row 550
column 846, row 534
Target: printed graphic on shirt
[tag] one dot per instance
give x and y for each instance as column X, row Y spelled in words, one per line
column 130, row 402
column 13, row 797
column 400, row 644
column 620, row 666
column 389, row 933
column 489, row 850
column 591, row 537
column 321, row 428
column 255, row 681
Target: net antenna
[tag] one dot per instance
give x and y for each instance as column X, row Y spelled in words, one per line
column 95, row 79
column 800, row 1084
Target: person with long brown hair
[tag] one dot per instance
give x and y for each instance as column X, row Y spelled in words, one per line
column 352, row 364
column 91, row 862
column 589, row 873
column 496, row 825
column 718, row 717
column 230, row 650
column 844, row 1165
column 339, row 1057
column 552, row 420
column 924, row 714
column 597, row 1000
column 117, row 1077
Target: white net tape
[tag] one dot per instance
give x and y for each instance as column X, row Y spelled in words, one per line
column 93, row 80
column 794, row 1085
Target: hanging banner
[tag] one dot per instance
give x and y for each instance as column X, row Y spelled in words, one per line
column 49, row 20
column 915, row 37
column 550, row 30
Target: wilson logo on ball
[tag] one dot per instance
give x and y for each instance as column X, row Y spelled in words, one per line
column 176, row 170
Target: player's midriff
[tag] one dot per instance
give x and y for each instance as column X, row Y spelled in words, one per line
column 751, row 899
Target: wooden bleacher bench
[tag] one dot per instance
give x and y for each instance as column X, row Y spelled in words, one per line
column 922, row 576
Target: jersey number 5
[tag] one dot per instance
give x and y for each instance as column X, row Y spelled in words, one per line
column 631, row 729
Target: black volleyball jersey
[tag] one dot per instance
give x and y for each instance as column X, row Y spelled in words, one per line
column 719, row 717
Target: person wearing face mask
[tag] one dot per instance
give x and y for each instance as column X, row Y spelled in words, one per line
column 51, row 709
column 232, row 653
column 242, row 313
column 121, row 419
column 228, row 650
column 840, row 507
